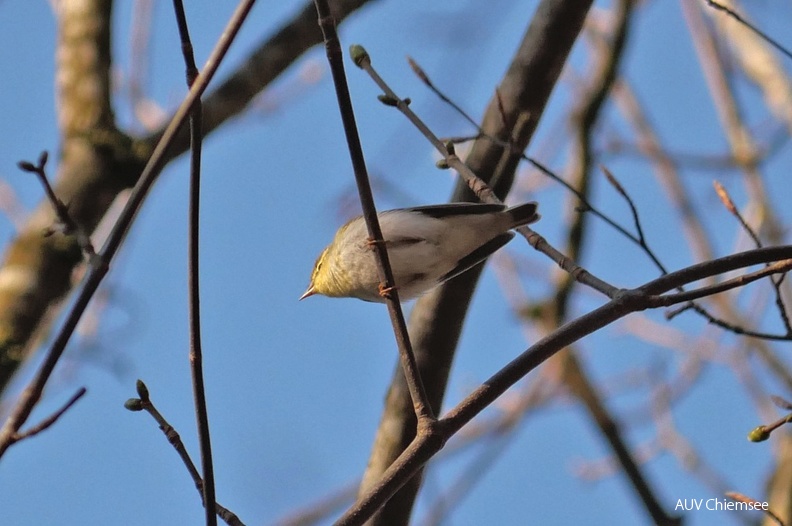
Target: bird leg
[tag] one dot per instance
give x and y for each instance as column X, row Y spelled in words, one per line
column 384, row 291
column 371, row 243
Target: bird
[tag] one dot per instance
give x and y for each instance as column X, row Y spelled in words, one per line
column 426, row 246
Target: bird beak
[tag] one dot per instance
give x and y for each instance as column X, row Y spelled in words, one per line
column 309, row 292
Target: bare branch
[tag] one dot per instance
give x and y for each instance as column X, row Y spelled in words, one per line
column 423, row 410
column 47, row 422
column 144, row 403
column 194, row 286
column 743, row 21
column 420, row 450
column 65, row 224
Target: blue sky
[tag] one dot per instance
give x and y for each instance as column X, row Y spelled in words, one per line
column 295, row 389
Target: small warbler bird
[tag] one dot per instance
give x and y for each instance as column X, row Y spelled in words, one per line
column 426, row 245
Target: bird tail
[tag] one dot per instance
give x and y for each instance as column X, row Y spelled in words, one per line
column 523, row 214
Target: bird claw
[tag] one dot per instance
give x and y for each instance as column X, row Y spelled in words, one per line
column 384, row 291
column 371, row 243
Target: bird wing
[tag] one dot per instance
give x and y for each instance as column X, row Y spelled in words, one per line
column 455, row 209
column 479, row 254
column 395, row 241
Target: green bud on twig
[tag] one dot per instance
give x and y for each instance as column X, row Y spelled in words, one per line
column 359, row 55
column 387, row 100
column 758, row 434
column 142, row 390
column 134, row 404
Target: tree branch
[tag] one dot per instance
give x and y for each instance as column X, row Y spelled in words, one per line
column 436, row 319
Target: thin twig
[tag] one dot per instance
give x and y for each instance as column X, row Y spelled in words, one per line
column 66, row 224
column 586, row 204
column 727, row 201
column 697, row 308
column 736, row 329
column 144, row 403
column 194, row 286
column 423, row 410
column 666, row 168
column 743, row 21
column 47, row 422
column 776, row 280
column 633, row 209
column 717, row 266
column 771, row 269
column 762, row 433
column 32, row 392
column 421, row 74
column 482, row 190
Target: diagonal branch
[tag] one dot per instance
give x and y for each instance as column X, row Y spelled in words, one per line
column 420, row 450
